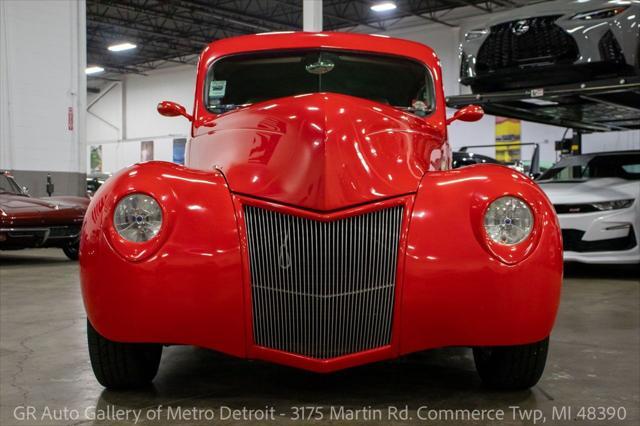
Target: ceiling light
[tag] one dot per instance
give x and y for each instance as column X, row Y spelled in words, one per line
column 121, row 47
column 384, row 6
column 93, row 70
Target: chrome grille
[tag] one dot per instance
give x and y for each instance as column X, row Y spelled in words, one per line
column 322, row 289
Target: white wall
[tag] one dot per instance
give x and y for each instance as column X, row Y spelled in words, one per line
column 42, row 62
column 117, row 155
column 121, row 143
column 142, row 95
column 104, row 115
column 144, row 92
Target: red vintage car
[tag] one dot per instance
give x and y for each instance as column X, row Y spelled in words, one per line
column 28, row 222
column 318, row 223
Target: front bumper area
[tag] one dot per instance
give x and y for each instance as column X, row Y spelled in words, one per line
column 19, row 237
column 545, row 75
column 195, row 286
column 601, row 237
column 630, row 257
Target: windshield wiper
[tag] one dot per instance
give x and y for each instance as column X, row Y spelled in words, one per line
column 222, row 108
column 417, row 111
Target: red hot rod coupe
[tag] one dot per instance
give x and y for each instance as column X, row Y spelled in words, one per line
column 318, row 224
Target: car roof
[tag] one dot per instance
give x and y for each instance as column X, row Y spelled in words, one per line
column 284, row 40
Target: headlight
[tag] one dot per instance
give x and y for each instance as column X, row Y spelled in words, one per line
column 475, row 34
column 508, row 220
column 608, row 12
column 613, row 205
column 137, row 218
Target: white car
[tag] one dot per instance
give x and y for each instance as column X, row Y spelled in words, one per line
column 597, row 199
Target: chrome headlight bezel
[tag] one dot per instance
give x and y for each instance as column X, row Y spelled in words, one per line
column 137, row 218
column 508, row 220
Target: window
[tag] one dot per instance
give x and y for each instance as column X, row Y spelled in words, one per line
column 623, row 166
column 247, row 79
column 8, row 185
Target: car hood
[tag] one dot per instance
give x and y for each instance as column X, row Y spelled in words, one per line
column 559, row 7
column 590, row 191
column 321, row 151
column 16, row 205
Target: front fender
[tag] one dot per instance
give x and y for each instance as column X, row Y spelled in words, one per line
column 460, row 290
column 156, row 291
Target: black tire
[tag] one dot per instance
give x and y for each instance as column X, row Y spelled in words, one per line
column 122, row 365
column 511, row 367
column 72, row 251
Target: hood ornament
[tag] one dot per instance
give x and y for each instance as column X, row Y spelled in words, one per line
column 521, row 27
column 284, row 253
column 321, row 66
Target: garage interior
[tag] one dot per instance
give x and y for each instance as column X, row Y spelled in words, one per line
column 91, row 111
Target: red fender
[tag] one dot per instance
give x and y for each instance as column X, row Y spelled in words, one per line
column 460, row 288
column 184, row 286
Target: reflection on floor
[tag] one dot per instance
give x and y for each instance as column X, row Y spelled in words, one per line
column 594, row 361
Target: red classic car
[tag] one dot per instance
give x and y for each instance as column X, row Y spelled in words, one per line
column 318, row 223
column 28, row 222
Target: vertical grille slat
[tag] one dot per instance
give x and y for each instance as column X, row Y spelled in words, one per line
column 322, row 289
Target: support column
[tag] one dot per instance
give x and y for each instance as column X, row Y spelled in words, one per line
column 312, row 15
column 43, row 93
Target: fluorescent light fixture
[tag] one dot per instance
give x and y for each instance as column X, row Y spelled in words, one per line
column 121, row 47
column 384, row 6
column 93, row 70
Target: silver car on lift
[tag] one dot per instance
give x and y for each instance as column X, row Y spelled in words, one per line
column 557, row 42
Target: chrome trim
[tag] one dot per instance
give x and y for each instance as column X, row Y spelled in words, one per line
column 45, row 230
column 323, row 289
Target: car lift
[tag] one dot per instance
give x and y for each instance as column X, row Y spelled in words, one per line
column 604, row 105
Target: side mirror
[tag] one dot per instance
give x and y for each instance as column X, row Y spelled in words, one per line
column 172, row 109
column 25, row 190
column 468, row 113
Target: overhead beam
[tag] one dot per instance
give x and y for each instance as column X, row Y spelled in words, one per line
column 238, row 18
column 148, row 31
column 192, row 20
column 471, row 3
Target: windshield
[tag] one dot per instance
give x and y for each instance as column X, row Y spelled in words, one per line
column 9, row 186
column 247, row 79
column 624, row 166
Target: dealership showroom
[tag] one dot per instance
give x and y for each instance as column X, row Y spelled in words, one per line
column 319, row 211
